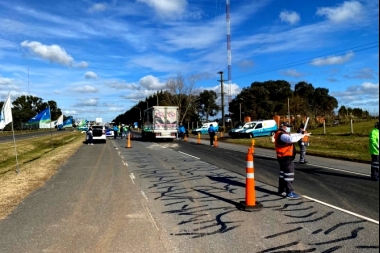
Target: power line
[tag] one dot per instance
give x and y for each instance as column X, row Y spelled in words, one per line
column 308, row 60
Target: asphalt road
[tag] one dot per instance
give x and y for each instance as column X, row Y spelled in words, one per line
column 183, row 197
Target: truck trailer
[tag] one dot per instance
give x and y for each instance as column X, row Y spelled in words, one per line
column 160, row 122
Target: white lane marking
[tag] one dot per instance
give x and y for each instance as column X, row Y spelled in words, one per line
column 132, row 177
column 151, row 218
column 143, row 193
column 343, row 210
column 189, row 155
column 328, row 168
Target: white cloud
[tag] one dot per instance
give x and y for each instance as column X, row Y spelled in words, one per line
column 151, row 83
column 332, row 60
column 291, row 17
column 167, row 7
column 90, row 75
column 53, row 53
column 121, row 85
column 86, row 89
column 347, row 11
column 89, row 102
column 98, row 7
column 5, row 81
column 292, row 73
column 81, row 65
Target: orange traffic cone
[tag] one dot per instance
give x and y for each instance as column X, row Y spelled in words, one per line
column 129, row 141
column 215, row 141
column 250, row 203
column 185, row 138
column 199, row 138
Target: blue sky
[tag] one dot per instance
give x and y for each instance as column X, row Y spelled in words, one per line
column 97, row 59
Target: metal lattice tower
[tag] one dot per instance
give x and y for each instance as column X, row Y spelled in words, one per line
column 229, row 53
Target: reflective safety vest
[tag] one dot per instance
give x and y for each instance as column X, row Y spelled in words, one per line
column 283, row 149
column 305, row 138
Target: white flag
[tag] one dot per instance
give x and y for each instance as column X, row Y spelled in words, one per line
column 6, row 113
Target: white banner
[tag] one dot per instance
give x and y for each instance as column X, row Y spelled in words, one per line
column 6, row 113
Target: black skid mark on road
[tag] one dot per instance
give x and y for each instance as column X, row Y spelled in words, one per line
column 332, row 249
column 317, row 231
column 354, row 234
column 328, row 231
column 310, row 221
column 283, row 233
column 223, row 227
column 290, row 205
column 298, row 209
column 301, row 217
column 274, row 250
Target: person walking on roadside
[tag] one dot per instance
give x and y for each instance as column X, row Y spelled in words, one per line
column 211, row 133
column 374, row 149
column 90, row 136
column 121, row 131
column 115, row 131
column 286, row 152
column 303, row 143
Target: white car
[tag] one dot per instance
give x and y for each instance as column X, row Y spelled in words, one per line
column 98, row 134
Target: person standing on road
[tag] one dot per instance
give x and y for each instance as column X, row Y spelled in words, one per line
column 286, row 152
column 115, row 131
column 303, row 143
column 181, row 131
column 121, row 131
column 211, row 133
column 90, row 136
column 374, row 149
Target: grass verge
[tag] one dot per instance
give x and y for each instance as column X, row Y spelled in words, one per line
column 38, row 161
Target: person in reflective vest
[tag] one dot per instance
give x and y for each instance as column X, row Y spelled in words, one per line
column 286, row 152
column 303, row 144
column 374, row 149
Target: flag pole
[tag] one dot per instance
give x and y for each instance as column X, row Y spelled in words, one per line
column 14, row 142
column 51, row 132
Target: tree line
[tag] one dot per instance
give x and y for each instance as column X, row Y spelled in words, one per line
column 261, row 100
column 26, row 107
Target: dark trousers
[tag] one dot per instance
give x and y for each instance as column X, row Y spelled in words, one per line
column 302, row 151
column 89, row 139
column 286, row 175
column 375, row 167
column 212, row 136
column 114, row 134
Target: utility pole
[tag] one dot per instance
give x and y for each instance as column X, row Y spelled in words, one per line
column 222, row 96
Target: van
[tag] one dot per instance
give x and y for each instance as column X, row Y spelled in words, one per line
column 235, row 132
column 260, row 128
column 204, row 128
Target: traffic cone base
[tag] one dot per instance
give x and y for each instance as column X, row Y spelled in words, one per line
column 257, row 207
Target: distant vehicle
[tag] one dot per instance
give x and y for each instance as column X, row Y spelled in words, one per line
column 98, row 133
column 109, row 131
column 160, row 122
column 260, row 128
column 236, row 132
column 204, row 128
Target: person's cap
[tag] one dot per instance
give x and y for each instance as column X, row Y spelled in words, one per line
column 285, row 124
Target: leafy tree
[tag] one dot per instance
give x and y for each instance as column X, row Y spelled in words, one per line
column 323, row 103
column 306, row 92
column 206, row 103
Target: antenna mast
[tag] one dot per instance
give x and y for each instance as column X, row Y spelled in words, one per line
column 229, row 54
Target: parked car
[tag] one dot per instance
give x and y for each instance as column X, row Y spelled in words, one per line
column 98, row 133
column 260, row 128
column 204, row 128
column 236, row 132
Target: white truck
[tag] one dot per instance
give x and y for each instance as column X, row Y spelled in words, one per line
column 160, row 122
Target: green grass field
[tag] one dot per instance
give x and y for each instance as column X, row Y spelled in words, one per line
column 334, row 142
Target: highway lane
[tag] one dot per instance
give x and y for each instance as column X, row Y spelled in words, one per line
column 352, row 192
